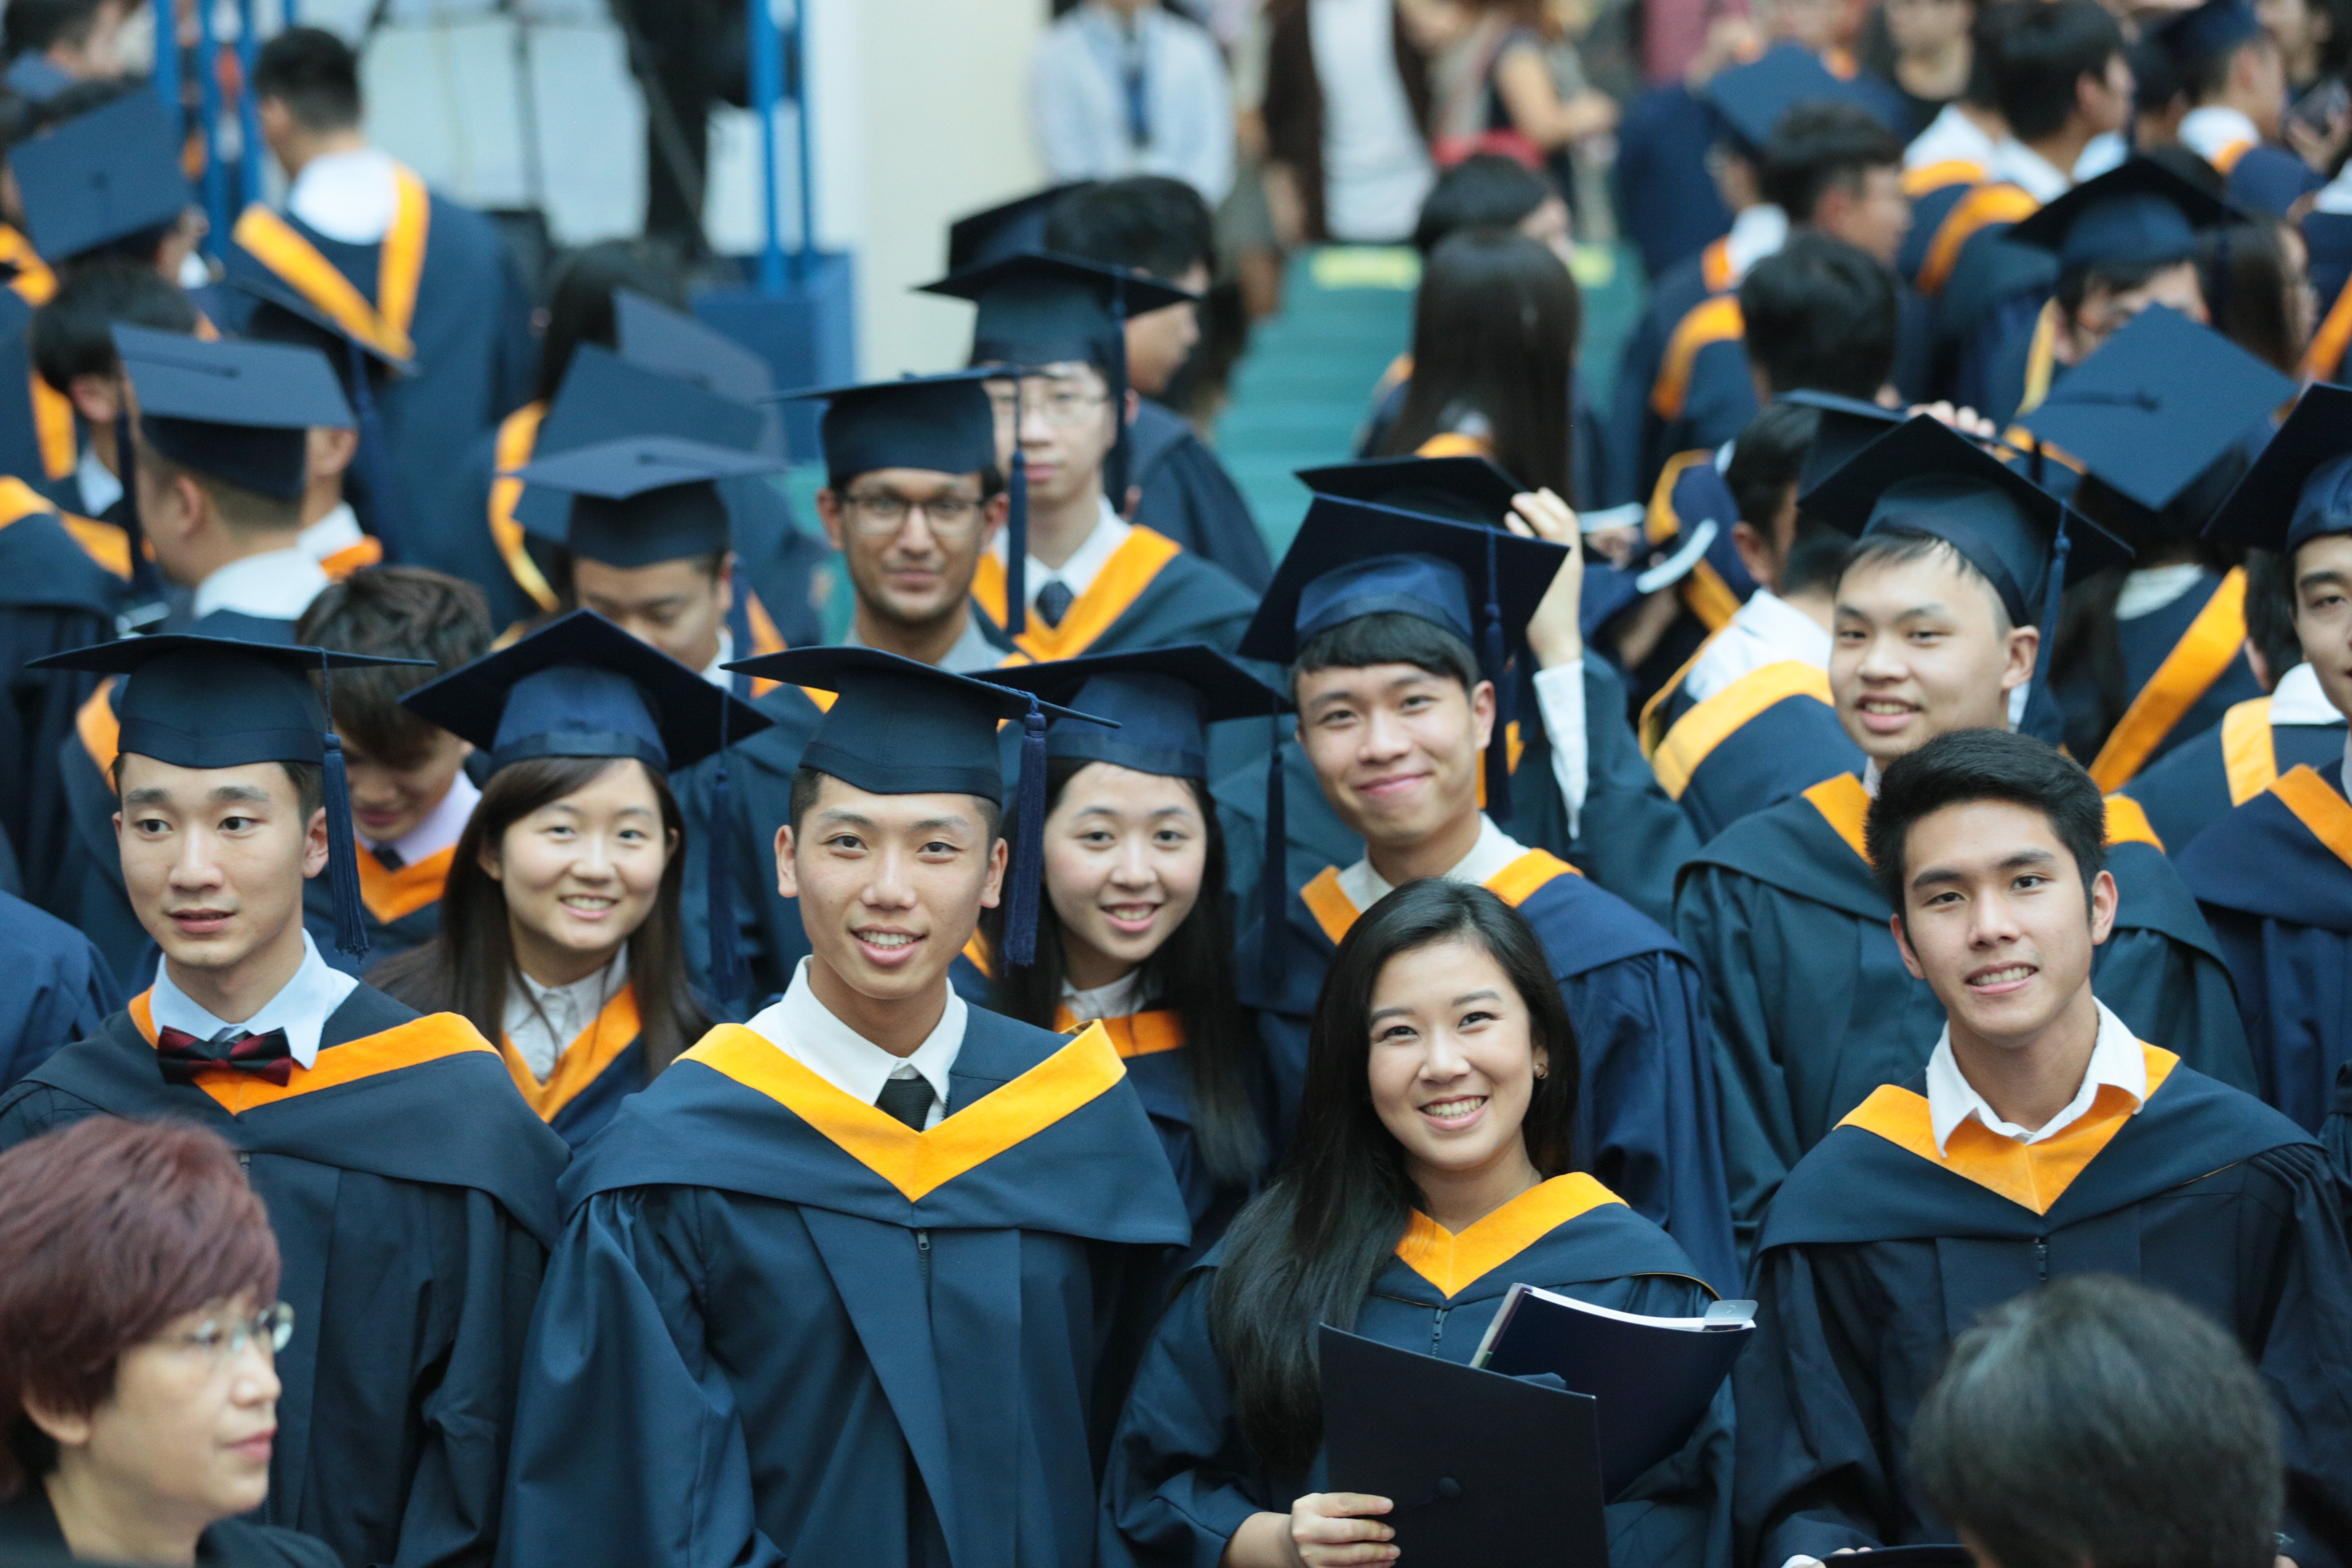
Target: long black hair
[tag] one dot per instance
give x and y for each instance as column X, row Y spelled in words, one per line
column 1191, row 975
column 1306, row 1252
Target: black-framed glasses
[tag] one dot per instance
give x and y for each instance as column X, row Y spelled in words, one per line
column 880, row 516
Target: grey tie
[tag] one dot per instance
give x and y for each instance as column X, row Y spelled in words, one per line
column 1054, row 602
column 907, row 1099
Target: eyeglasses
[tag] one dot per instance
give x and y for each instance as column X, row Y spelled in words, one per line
column 882, row 516
column 221, row 1338
column 1063, row 406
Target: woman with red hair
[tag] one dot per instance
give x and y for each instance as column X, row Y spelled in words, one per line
column 139, row 1320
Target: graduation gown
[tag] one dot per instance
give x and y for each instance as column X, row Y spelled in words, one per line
column 414, row 1196
column 1183, row 1478
column 30, row 1538
column 1149, row 594
column 769, row 938
column 2275, row 877
column 781, row 1326
column 54, row 987
column 601, row 1066
column 1771, row 735
column 2196, row 783
column 400, row 911
column 1187, row 496
column 1703, row 395
column 1879, row 1251
column 2184, row 667
column 1666, row 200
column 1812, row 1008
column 1646, row 1117
column 1679, row 291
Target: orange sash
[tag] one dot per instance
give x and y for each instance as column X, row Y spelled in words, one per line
column 1122, row 580
column 1453, row 1261
column 2198, row 660
column 517, row 435
column 400, row 263
column 608, row 1034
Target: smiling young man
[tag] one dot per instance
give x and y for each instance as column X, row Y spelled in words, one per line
column 1935, row 631
column 860, row 1282
column 2043, row 1138
column 411, row 1189
column 1372, row 609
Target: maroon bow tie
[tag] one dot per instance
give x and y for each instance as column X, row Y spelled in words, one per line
column 182, row 1056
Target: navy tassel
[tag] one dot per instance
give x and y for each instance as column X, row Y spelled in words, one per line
column 374, row 471
column 2043, row 721
column 1016, row 527
column 1273, row 877
column 1116, row 461
column 342, row 846
column 1027, row 871
column 718, row 871
column 147, row 604
column 1499, row 746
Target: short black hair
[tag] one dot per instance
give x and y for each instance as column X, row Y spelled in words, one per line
column 314, row 74
column 1390, row 637
column 1968, row 765
column 1150, row 222
column 1765, row 464
column 35, row 26
column 2269, row 610
column 809, row 782
column 1820, row 315
column 1485, row 190
column 397, row 612
column 2045, row 49
column 1894, row 546
column 1819, row 146
column 1985, row 36
column 2100, row 1421
column 73, row 333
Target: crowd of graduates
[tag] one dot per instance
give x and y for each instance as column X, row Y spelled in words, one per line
column 516, row 1048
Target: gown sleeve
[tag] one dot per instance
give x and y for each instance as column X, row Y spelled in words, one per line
column 2305, row 1353
column 629, row 1449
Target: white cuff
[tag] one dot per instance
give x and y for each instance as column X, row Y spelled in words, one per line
column 1560, row 693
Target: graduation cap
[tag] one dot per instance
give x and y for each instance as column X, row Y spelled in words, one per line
column 2156, row 406
column 603, row 397
column 644, row 499
column 674, row 344
column 1006, row 228
column 101, row 176
column 2271, row 180
column 1037, row 307
column 1350, row 560
column 2207, row 32
column 942, row 424
column 1847, row 425
column 2138, row 214
column 1925, row 478
column 218, row 702
column 901, row 727
column 2301, row 486
column 1461, row 490
column 1752, row 100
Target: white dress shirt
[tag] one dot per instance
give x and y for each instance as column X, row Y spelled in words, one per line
column 1119, row 999
column 971, row 653
column 348, row 197
column 1494, row 851
column 1767, row 629
column 2299, row 699
column 715, row 671
column 2115, row 1059
column 301, row 1006
column 1086, row 562
column 543, row 1020
column 99, row 489
column 804, row 1029
column 338, row 530
column 1078, row 100
column 1376, row 168
column 441, row 826
column 2213, row 130
column 1951, row 137
column 2021, row 166
column 1756, row 233
column 277, row 584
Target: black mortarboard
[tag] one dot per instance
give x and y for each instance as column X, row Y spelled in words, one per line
column 1478, row 1467
column 2271, row 180
column 1006, row 228
column 673, row 343
column 216, row 702
column 1847, row 425
column 604, row 398
column 101, row 176
column 645, row 498
column 1349, row 560
column 942, row 424
column 2138, row 214
column 1924, row 478
column 2158, row 404
column 2301, row 486
column 1752, row 100
column 1460, row 489
column 238, row 411
column 2208, row 31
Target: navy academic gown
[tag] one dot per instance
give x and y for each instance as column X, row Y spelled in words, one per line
column 1812, row 1008
column 54, row 987
column 1877, row 1253
column 1710, row 404
column 1187, row 495
column 1666, row 200
column 413, row 1198
column 53, row 597
column 769, row 939
column 20, row 442
column 754, row 1346
column 1182, row 1476
column 601, row 1067
column 2273, row 879
column 2189, row 699
column 1675, row 294
column 400, row 911
column 1149, row 594
column 1646, row 1116
column 2196, row 783
column 1769, row 735
column 1689, row 493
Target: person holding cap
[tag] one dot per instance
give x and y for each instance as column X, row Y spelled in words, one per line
column 1397, row 630
column 1959, row 562
column 1071, row 574
column 411, row 1190
column 559, row 922
column 860, row 1281
column 2274, row 875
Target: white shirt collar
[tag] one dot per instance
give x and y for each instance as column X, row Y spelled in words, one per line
column 1078, row 572
column 301, row 1006
column 1766, row 630
column 1120, row 999
column 1757, row 232
column 541, row 1021
column 442, row 826
column 99, row 489
column 2214, row 129
column 339, row 529
column 2021, row 166
column 804, row 1029
column 972, row 652
column 1494, row 851
column 2149, row 589
column 2102, row 152
column 2299, row 699
column 277, row 584
column 2116, row 1060
column 347, row 196
column 715, row 671
column 1950, row 137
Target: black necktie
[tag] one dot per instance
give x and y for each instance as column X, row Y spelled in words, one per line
column 1054, row 601
column 387, row 856
column 908, row 1099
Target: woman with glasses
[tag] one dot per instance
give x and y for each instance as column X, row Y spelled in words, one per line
column 139, row 1327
